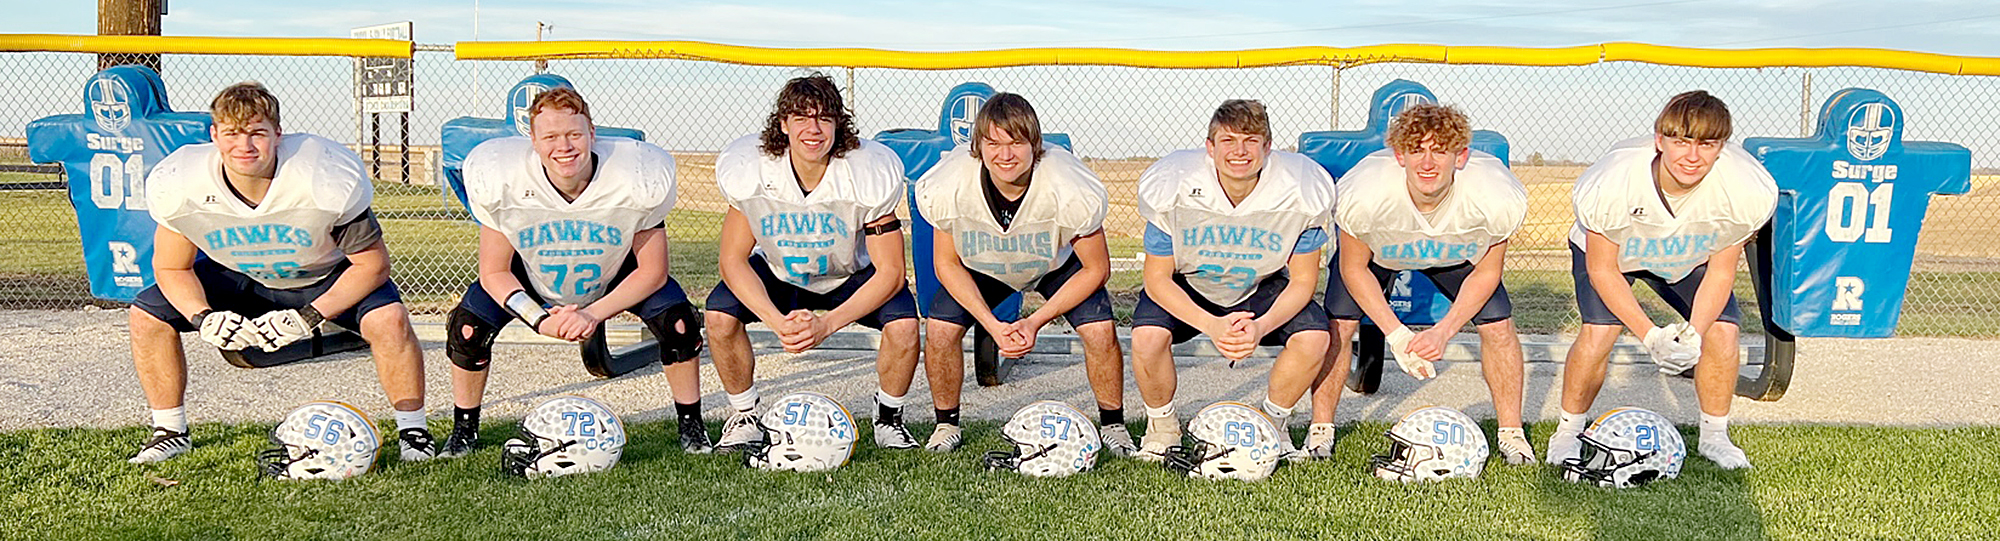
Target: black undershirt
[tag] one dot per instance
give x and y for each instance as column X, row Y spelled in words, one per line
column 803, row 190
column 1003, row 208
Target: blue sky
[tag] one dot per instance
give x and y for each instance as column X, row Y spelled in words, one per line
column 1951, row 27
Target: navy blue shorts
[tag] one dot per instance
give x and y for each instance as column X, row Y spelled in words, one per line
column 482, row 305
column 1095, row 308
column 1309, row 318
column 1341, row 305
column 1679, row 295
column 789, row 297
column 231, row 291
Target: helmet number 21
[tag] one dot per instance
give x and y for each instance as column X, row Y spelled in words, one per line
column 1646, row 438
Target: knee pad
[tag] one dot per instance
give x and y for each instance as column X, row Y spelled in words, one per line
column 677, row 346
column 469, row 340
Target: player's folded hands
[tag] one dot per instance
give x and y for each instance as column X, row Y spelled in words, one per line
column 227, row 330
column 1675, row 348
column 279, row 328
column 1411, row 363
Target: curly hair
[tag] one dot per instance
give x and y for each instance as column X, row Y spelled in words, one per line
column 1446, row 125
column 812, row 95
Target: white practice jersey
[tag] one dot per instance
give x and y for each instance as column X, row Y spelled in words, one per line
column 1617, row 198
column 571, row 249
column 811, row 241
column 1486, row 205
column 1225, row 250
column 1064, row 201
column 286, row 241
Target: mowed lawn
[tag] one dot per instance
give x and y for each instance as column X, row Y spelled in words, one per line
column 1811, row 482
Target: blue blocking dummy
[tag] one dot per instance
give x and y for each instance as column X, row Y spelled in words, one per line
column 920, row 149
column 1413, row 296
column 1851, row 200
column 463, row 133
column 125, row 129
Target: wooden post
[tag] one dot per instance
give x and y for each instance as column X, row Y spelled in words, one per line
column 129, row 18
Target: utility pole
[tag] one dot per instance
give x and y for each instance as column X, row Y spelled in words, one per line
column 129, row 18
column 542, row 66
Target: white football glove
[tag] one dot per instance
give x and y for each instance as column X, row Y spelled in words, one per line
column 1411, row 363
column 227, row 330
column 282, row 327
column 1675, row 347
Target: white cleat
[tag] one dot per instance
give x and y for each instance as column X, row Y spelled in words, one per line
column 1319, row 441
column 164, row 445
column 1514, row 446
column 945, row 439
column 1724, row 453
column 1564, row 446
column 739, row 431
column 1161, row 434
column 1118, row 440
column 417, row 444
column 894, row 435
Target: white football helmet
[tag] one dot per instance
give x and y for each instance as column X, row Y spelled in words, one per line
column 565, row 435
column 321, row 440
column 804, row 431
column 1051, row 439
column 1232, row 441
column 1625, row 448
column 1432, row 443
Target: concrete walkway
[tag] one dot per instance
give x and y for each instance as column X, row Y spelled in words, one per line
column 73, row 368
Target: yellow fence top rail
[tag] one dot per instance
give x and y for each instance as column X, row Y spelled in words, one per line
column 1288, row 56
column 205, row 45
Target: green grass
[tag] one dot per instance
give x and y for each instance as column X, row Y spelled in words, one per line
column 1812, row 482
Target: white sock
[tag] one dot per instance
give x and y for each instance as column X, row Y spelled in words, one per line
column 1713, row 426
column 174, row 419
column 1573, row 423
column 406, row 420
column 1280, row 415
column 745, row 401
column 892, row 402
column 1162, row 412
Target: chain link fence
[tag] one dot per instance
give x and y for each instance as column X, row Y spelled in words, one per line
column 1557, row 119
